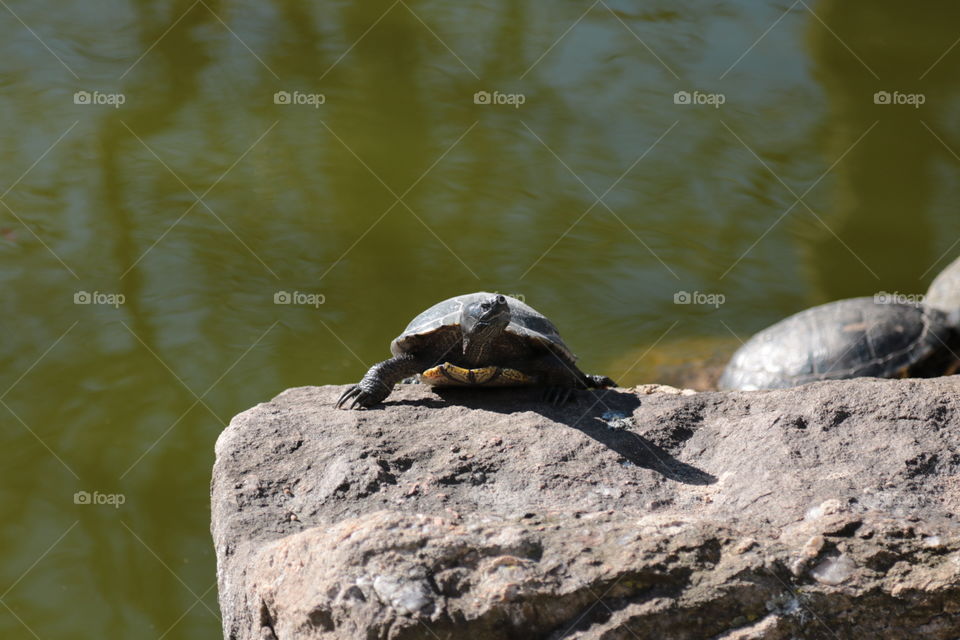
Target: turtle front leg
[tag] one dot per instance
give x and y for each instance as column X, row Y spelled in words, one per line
column 379, row 382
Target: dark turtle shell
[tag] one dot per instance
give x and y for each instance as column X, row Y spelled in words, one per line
column 851, row 338
column 944, row 292
column 525, row 321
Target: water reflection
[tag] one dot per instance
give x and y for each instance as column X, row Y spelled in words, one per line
column 884, row 198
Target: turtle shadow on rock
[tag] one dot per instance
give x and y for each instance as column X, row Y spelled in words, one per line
column 588, row 408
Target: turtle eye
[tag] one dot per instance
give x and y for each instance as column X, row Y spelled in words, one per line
column 501, row 300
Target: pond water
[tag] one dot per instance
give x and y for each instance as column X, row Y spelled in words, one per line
column 206, row 202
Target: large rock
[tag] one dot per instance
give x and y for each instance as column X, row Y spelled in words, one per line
column 826, row 511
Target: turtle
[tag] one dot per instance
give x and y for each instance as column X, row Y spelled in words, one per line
column 944, row 292
column 478, row 339
column 857, row 337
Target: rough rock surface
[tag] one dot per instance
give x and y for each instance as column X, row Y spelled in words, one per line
column 826, row 511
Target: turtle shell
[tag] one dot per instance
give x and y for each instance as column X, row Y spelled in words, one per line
column 843, row 339
column 525, row 321
column 944, row 292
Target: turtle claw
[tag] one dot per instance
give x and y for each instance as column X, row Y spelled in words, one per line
column 558, row 395
column 356, row 398
column 350, row 394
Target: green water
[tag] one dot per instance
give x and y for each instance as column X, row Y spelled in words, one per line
column 128, row 400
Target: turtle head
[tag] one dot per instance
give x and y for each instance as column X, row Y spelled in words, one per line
column 481, row 322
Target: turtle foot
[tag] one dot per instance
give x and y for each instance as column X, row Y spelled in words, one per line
column 356, row 397
column 558, row 395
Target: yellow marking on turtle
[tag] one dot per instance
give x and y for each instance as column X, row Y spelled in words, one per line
column 450, row 375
